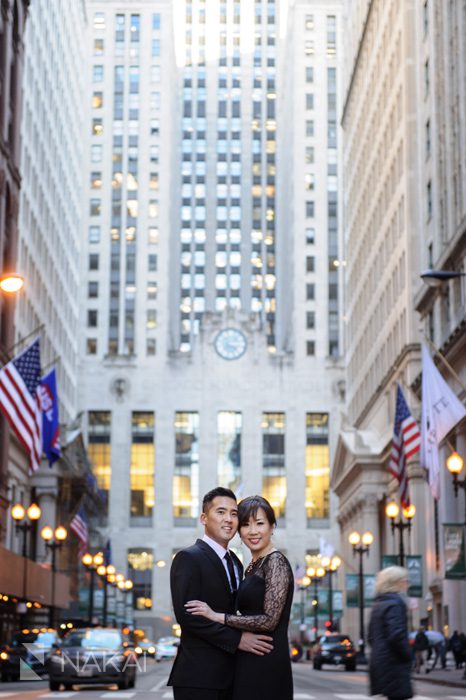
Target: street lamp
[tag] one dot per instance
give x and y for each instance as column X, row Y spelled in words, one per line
column 361, row 546
column 61, row 533
column 107, row 573
column 303, row 584
column 11, row 282
column 316, row 575
column 92, row 562
column 392, row 510
column 18, row 513
column 455, row 466
column 331, row 566
column 435, row 278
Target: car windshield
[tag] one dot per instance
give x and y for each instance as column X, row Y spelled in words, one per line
column 43, row 639
column 168, row 640
column 336, row 639
column 93, row 639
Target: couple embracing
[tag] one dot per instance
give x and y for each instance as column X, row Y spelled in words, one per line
column 234, row 630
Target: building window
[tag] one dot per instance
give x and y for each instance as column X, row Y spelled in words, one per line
column 310, row 348
column 310, row 100
column 99, row 450
column 94, row 234
column 97, row 100
column 151, row 319
column 151, row 347
column 97, row 74
column 310, row 320
column 317, row 466
column 186, row 477
column 310, row 263
column 93, row 261
column 98, row 47
column 229, row 424
column 429, row 199
column 142, row 467
column 93, row 290
column 309, row 74
column 310, row 292
column 91, row 318
column 140, row 567
column 428, row 139
column 152, row 262
column 310, row 209
column 95, row 207
column 96, row 180
column 91, row 346
column 310, row 236
column 273, row 461
column 426, row 78
column 309, row 127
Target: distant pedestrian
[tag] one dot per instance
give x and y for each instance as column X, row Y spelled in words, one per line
column 421, row 644
column 390, row 661
column 456, row 649
column 440, row 650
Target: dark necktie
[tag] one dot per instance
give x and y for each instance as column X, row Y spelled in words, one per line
column 231, row 572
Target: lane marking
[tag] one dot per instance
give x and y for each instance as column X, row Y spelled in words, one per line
column 120, row 694
column 345, row 696
column 303, row 696
column 161, row 684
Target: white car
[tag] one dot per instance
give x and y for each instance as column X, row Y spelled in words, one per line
column 166, row 648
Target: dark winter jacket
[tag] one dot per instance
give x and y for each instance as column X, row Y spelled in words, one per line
column 390, row 660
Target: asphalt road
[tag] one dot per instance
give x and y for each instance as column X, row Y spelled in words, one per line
column 327, row 684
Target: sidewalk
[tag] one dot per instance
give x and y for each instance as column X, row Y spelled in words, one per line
column 447, row 676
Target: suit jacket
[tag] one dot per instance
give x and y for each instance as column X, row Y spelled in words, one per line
column 206, row 655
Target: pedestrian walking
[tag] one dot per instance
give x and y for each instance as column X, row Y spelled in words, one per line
column 440, row 651
column 390, row 660
column 456, row 649
column 421, row 644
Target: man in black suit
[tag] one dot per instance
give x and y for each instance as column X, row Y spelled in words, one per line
column 205, row 664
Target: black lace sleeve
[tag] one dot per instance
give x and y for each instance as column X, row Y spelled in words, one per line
column 278, row 579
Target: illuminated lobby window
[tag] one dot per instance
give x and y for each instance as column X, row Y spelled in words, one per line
column 317, row 466
column 186, row 477
column 273, row 461
column 142, row 468
column 229, row 424
column 140, row 566
column 99, row 450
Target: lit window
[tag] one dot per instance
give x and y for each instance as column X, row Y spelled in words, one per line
column 97, row 100
column 99, row 20
column 317, row 466
column 151, row 319
column 98, row 47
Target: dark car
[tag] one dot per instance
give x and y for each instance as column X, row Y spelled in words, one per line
column 27, row 654
column 335, row 649
column 93, row 656
column 145, row 648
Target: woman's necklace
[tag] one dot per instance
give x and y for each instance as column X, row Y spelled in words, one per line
column 253, row 562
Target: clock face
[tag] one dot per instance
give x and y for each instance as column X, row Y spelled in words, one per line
column 230, row 344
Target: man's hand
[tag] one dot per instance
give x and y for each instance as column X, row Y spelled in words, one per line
column 258, row 644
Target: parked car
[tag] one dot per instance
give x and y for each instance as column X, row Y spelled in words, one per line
column 166, row 648
column 335, row 649
column 93, row 655
column 145, row 648
column 28, row 650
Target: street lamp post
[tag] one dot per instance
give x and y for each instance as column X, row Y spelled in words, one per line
column 92, row 562
column 455, row 466
column 360, row 549
column 435, row 278
column 47, row 534
column 18, row 513
column 392, row 511
column 107, row 573
column 316, row 575
column 303, row 584
column 331, row 566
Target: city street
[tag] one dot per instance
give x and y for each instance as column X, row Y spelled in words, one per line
column 309, row 684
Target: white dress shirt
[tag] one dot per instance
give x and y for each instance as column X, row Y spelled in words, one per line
column 220, row 552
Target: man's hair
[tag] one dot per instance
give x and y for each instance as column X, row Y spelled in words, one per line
column 218, row 491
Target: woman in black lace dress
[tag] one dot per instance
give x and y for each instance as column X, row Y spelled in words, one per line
column 264, row 603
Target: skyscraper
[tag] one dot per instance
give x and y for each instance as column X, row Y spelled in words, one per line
column 211, row 351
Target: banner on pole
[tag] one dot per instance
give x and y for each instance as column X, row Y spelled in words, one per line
column 455, row 560
column 352, row 590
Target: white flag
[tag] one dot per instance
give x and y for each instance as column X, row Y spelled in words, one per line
column 325, row 548
column 441, row 411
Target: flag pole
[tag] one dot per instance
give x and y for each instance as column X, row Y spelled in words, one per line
column 445, row 362
column 36, row 331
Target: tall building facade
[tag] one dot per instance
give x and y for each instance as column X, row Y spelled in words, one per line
column 211, row 350
column 392, row 54
column 12, row 27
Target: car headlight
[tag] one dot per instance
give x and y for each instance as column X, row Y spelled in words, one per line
column 151, row 650
column 138, row 650
column 4, row 656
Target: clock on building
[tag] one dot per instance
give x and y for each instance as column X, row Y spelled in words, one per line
column 231, row 344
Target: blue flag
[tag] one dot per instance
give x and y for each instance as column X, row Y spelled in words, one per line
column 50, row 421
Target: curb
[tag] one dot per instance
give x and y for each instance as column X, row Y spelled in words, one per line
column 439, row 681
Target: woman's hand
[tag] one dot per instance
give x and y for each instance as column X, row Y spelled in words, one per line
column 198, row 607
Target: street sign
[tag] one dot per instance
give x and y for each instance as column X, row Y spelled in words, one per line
column 413, row 563
column 455, row 560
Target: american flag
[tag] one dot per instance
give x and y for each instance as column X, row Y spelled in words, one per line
column 79, row 526
column 19, row 400
column 406, row 442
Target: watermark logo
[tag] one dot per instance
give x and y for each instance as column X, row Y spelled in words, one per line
column 35, row 655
